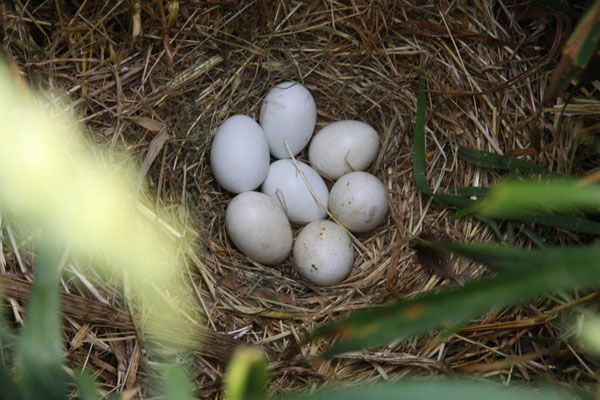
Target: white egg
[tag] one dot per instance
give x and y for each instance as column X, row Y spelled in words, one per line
column 323, row 253
column 258, row 227
column 288, row 112
column 239, row 155
column 358, row 200
column 285, row 185
column 342, row 147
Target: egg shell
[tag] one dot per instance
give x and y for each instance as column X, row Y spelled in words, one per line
column 342, row 147
column 288, row 112
column 285, row 185
column 258, row 227
column 323, row 253
column 239, row 155
column 358, row 200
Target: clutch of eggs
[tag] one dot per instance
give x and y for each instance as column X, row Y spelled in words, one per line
column 259, row 223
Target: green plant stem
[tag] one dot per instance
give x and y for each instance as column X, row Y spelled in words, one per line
column 39, row 346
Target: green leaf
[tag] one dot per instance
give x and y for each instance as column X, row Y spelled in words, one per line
column 485, row 159
column 7, row 383
column 577, row 53
column 247, row 375
column 88, row 388
column 591, row 74
column 568, row 222
column 523, row 275
column 463, row 204
column 521, row 201
column 419, row 169
column 448, row 389
column 466, row 206
column 456, row 202
column 512, row 197
column 586, row 36
column 39, row 347
column 472, row 191
column 7, row 343
column 176, row 384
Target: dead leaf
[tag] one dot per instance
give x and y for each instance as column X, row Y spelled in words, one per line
column 535, row 134
column 438, row 261
column 155, row 147
column 151, row 124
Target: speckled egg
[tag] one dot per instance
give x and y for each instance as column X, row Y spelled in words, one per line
column 323, row 253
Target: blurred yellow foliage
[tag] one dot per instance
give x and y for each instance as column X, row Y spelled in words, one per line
column 53, row 178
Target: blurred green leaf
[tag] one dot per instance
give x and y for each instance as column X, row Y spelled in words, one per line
column 467, row 191
column 247, row 375
column 466, row 206
column 523, row 275
column 568, row 222
column 39, row 347
column 562, row 7
column 463, row 204
column 591, row 74
column 439, row 389
column 511, row 198
column 420, row 171
column 485, row 159
column 577, row 53
column 583, row 42
column 590, row 333
column 7, row 383
column 539, row 240
column 87, row 386
column 176, row 383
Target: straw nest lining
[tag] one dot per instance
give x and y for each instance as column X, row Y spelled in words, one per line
column 191, row 65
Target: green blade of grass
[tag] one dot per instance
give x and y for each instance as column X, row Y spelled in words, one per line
column 485, row 159
column 88, row 388
column 568, row 222
column 449, row 389
column 591, row 74
column 512, row 197
column 467, row 191
column 583, row 42
column 496, row 256
column 39, row 346
column 456, row 202
column 462, row 203
column 247, row 375
column 419, row 169
column 7, row 344
column 466, row 206
column 525, row 274
column 176, row 383
column 7, row 383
